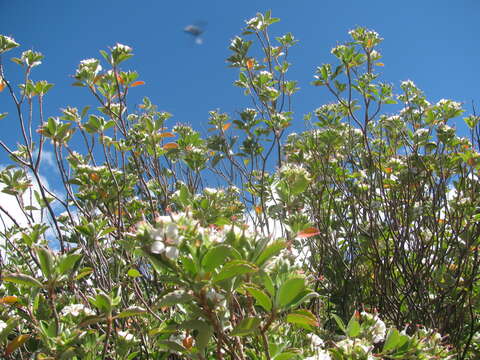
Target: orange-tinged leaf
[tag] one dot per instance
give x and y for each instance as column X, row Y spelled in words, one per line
column 8, row 300
column 369, row 43
column 98, row 77
column 388, row 170
column 188, row 342
column 309, row 232
column 16, row 343
column 258, row 209
column 250, row 64
column 137, row 83
column 94, row 177
column 2, row 85
column 380, row 64
column 169, row 146
column 120, row 80
column 226, row 126
column 167, row 135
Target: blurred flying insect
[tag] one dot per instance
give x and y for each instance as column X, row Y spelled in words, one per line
column 196, row 30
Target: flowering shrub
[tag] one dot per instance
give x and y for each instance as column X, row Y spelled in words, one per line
column 142, row 258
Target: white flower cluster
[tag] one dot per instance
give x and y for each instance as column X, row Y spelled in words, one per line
column 379, row 328
column 122, row 48
column 91, row 66
column 76, row 310
column 452, row 104
column 166, row 238
column 419, row 133
column 3, row 325
column 408, row 83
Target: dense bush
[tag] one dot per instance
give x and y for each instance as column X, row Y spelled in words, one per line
column 365, row 213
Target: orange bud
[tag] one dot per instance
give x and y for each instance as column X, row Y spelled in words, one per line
column 250, row 63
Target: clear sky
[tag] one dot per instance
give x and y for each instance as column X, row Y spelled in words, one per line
column 432, row 42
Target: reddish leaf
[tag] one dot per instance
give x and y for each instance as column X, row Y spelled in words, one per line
column 16, row 343
column 226, row 126
column 2, row 85
column 137, row 83
column 8, row 300
column 309, row 232
column 169, row 146
column 167, row 135
column 250, row 64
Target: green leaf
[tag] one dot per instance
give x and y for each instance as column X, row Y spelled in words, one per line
column 84, row 272
column 270, row 251
column 215, row 257
column 285, row 356
column 102, row 302
column 268, row 283
column 204, row 332
column 131, row 311
column 290, row 290
column 340, row 323
column 22, row 279
column 89, row 320
column 68, row 262
column 302, row 317
column 46, row 260
column 353, row 327
column 134, row 273
column 172, row 345
column 174, row 298
column 68, row 354
column 394, row 340
column 261, row 298
column 235, row 268
column 247, row 326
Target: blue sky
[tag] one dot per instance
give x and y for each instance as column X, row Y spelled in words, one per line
column 433, row 43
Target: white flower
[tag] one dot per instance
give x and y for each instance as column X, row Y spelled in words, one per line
column 3, row 325
column 157, row 247
column 210, row 191
column 76, row 309
column 171, row 252
column 379, row 330
column 126, row 336
column 316, row 340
